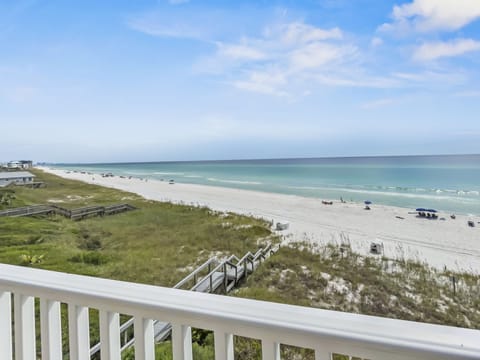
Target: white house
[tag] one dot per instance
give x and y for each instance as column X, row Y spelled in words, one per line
column 16, row 177
column 14, row 165
column 20, row 164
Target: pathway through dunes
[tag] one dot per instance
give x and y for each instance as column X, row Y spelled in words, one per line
column 221, row 276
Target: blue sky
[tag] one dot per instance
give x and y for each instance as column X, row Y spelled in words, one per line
column 96, row 81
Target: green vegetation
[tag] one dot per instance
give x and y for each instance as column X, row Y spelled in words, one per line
column 327, row 278
column 156, row 244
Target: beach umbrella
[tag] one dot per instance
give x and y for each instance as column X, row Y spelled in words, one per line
column 431, row 210
column 420, row 209
column 367, row 202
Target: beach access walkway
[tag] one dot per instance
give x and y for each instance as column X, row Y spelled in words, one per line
column 73, row 214
column 213, row 276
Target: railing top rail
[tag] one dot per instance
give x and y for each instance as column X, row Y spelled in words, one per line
column 242, row 316
column 87, row 208
column 213, row 271
column 195, row 272
column 246, row 256
column 24, row 208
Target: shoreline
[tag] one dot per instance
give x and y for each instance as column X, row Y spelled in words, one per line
column 439, row 243
column 445, row 198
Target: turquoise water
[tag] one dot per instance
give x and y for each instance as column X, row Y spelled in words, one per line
column 447, row 183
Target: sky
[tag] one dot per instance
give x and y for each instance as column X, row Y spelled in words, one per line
column 160, row 80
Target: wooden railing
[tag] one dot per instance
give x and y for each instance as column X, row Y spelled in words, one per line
column 221, row 275
column 74, row 214
column 325, row 332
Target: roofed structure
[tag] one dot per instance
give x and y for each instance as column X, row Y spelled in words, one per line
column 16, row 177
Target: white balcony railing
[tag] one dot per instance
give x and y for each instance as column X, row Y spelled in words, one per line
column 326, row 332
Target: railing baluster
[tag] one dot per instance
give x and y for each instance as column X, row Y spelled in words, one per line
column 225, row 277
column 79, row 334
column 24, row 312
column 144, row 339
column 51, row 329
column 6, row 325
column 321, row 354
column 223, row 346
column 181, row 342
column 109, row 335
column 270, row 350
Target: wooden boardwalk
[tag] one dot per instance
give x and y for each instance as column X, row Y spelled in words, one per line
column 73, row 214
column 213, row 276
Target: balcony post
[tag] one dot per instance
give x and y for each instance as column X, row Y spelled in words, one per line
column 321, row 354
column 270, row 350
column 144, row 339
column 109, row 335
column 24, row 311
column 79, row 333
column 51, row 330
column 181, row 342
column 223, row 345
column 6, row 325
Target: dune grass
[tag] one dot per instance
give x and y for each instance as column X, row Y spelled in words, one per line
column 326, row 278
column 155, row 244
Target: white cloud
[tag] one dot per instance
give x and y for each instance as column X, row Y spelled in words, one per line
column 318, row 54
column 432, row 79
column 353, row 79
column 151, row 26
column 239, row 51
column 432, row 15
column 265, row 82
column 300, row 33
column 376, row 41
column 284, row 53
column 288, row 57
column 435, row 50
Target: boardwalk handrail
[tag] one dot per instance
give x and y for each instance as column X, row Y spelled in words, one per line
column 25, row 210
column 210, row 275
column 273, row 324
column 194, row 273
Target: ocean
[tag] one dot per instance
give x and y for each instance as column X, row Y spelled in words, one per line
column 449, row 183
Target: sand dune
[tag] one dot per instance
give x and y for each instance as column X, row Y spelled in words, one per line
column 440, row 243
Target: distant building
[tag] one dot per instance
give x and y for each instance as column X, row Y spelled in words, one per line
column 26, row 164
column 15, row 177
column 14, row 165
column 20, row 164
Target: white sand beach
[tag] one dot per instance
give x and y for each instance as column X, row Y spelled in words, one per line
column 440, row 243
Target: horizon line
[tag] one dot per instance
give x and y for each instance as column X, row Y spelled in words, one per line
column 254, row 159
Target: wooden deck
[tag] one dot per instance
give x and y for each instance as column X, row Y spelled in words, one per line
column 33, row 184
column 73, row 214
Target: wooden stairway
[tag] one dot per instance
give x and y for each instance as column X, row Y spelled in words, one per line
column 221, row 276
